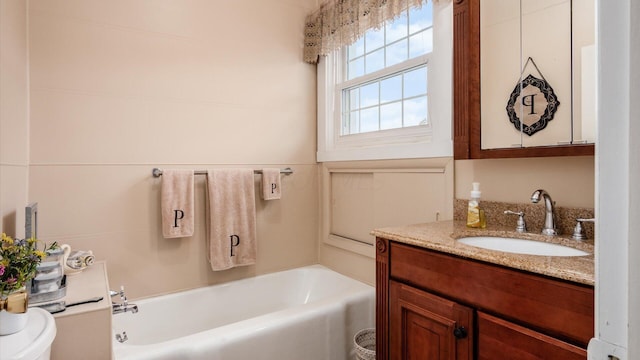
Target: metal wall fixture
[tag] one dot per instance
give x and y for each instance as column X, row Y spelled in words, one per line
column 158, row 172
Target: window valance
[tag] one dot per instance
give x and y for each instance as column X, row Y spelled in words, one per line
column 341, row 22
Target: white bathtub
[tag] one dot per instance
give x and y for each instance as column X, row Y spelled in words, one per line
column 306, row 313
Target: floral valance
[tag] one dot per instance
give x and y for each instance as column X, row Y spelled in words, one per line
column 341, row 22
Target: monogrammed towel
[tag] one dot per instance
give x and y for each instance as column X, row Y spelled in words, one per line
column 231, row 218
column 176, row 202
column 271, row 184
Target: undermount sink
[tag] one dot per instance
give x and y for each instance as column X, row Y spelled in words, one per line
column 521, row 246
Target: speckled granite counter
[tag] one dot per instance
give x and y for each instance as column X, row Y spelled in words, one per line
column 440, row 236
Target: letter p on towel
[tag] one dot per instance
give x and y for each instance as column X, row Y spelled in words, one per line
column 177, row 203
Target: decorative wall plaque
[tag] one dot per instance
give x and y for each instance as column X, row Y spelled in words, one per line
column 532, row 104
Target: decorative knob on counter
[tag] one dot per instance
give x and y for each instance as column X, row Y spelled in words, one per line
column 521, row 226
column 578, row 234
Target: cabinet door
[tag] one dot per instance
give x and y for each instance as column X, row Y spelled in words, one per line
column 501, row 339
column 426, row 327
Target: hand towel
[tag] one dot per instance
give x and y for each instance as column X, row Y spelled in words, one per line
column 177, row 203
column 271, row 184
column 231, row 218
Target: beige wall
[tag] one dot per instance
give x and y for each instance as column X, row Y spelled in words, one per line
column 120, row 87
column 14, row 110
column 569, row 180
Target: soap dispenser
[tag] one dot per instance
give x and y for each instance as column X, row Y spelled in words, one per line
column 475, row 215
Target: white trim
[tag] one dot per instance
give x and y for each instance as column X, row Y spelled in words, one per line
column 382, row 73
column 392, row 171
column 432, row 165
column 617, row 284
column 352, row 245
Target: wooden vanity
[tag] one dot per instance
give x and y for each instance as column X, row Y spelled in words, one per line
column 435, row 301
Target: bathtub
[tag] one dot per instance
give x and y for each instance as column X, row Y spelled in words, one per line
column 305, row 313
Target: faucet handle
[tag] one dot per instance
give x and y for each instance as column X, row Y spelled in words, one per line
column 121, row 293
column 578, row 234
column 123, row 297
column 593, row 220
column 521, row 226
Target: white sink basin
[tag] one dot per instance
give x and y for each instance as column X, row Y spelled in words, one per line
column 521, row 246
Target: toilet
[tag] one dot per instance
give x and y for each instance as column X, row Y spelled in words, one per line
column 34, row 341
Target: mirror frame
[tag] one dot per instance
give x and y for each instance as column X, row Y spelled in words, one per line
column 466, row 95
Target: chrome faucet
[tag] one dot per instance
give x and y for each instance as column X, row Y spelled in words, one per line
column 549, row 219
column 124, row 305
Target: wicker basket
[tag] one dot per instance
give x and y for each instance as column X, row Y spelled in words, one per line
column 365, row 344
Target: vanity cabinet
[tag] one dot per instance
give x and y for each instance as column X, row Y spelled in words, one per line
column 425, row 326
column 432, row 305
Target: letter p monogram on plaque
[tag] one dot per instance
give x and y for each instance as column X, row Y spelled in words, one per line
column 532, row 103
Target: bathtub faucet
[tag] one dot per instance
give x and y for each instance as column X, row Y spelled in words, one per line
column 124, row 305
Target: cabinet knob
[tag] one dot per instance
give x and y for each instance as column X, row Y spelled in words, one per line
column 460, row 332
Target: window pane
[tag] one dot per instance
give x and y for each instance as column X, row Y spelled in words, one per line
column 415, row 111
column 397, row 52
column 369, row 120
column 421, row 18
column 406, row 37
column 354, row 122
column 354, row 99
column 391, row 89
column 421, row 43
column 356, row 68
column 356, row 49
column 369, row 95
column 397, row 29
column 390, row 103
column 374, row 39
column 391, row 116
column 375, row 61
column 415, row 82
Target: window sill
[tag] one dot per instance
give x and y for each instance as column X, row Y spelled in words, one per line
column 433, row 149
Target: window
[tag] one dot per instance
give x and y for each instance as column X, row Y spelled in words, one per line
column 394, row 99
column 376, row 97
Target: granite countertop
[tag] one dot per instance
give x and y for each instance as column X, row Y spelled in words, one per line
column 440, row 236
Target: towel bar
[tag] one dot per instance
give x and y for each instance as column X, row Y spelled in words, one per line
column 158, row 172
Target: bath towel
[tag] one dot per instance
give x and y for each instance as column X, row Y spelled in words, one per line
column 177, row 203
column 271, row 184
column 231, row 218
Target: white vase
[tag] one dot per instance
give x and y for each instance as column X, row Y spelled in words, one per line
column 11, row 323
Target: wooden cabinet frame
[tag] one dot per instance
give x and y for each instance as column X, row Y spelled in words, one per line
column 466, row 94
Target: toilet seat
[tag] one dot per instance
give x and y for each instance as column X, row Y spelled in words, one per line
column 34, row 341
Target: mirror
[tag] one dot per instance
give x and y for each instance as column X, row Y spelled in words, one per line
column 524, row 76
